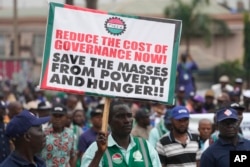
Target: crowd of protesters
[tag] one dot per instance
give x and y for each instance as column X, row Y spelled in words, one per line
column 71, row 124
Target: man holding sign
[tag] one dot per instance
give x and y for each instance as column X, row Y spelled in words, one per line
column 119, row 148
column 106, row 57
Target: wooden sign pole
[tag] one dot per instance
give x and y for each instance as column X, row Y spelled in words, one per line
column 105, row 115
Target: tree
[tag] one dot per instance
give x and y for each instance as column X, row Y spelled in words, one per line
column 246, row 60
column 92, row 4
column 194, row 22
column 69, row 2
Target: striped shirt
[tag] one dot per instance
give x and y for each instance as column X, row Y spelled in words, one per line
column 174, row 154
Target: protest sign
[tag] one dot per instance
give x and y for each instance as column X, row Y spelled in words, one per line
column 105, row 54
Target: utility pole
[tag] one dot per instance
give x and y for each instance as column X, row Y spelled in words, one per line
column 15, row 29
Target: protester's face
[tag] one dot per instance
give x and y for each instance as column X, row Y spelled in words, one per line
column 71, row 102
column 97, row 121
column 228, row 128
column 68, row 119
column 58, row 120
column 37, row 138
column 222, row 103
column 223, row 84
column 238, row 85
column 183, row 58
column 209, row 99
column 180, row 125
column 181, row 94
column 236, row 99
column 159, row 109
column 134, row 108
column 144, row 121
column 16, row 110
column 121, row 122
column 198, row 105
column 205, row 130
column 79, row 117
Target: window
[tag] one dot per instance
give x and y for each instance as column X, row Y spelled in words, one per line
column 2, row 45
column 38, row 45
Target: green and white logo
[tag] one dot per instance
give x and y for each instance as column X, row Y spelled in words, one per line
column 117, row 158
column 137, row 156
column 115, row 26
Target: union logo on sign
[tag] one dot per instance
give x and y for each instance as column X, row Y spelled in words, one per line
column 115, row 26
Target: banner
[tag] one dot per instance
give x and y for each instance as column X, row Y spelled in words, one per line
column 98, row 53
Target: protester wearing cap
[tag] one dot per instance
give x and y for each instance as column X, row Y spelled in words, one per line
column 44, row 108
column 57, row 137
column 31, row 106
column 223, row 100
column 179, row 147
column 163, row 127
column 239, row 108
column 218, row 154
column 222, row 86
column 88, row 137
column 26, row 133
column 39, row 94
column 235, row 96
column 238, row 80
column 197, row 105
column 238, row 85
column 209, row 104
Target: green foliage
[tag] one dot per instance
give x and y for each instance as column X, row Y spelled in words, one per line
column 246, row 41
column 231, row 68
column 246, row 59
column 194, row 21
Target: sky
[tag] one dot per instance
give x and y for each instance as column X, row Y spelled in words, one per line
column 39, row 3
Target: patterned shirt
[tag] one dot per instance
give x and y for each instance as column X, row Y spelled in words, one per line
column 59, row 147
